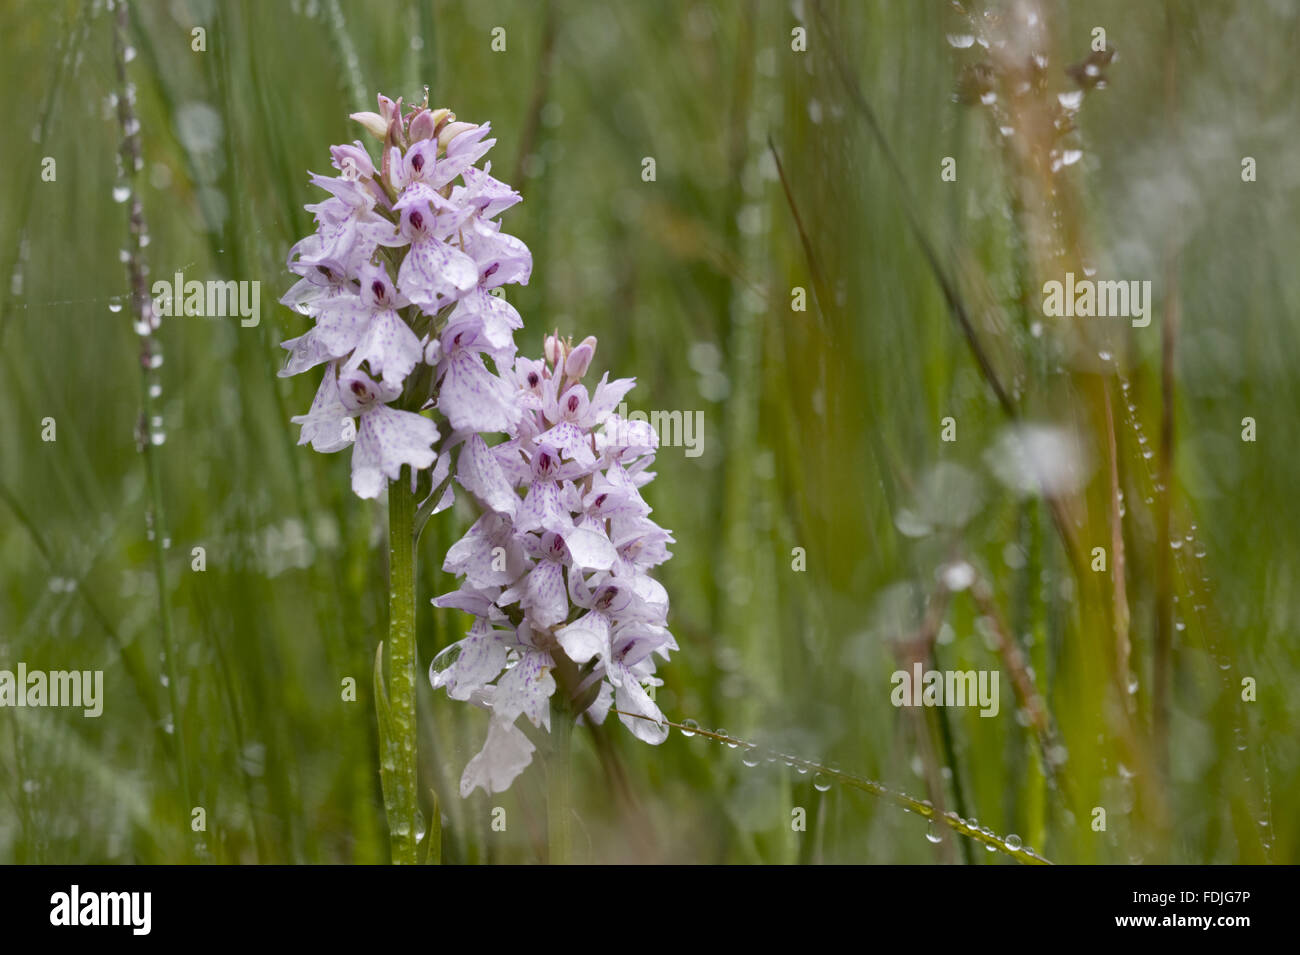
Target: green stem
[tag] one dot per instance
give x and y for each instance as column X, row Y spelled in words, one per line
column 403, row 811
column 557, row 777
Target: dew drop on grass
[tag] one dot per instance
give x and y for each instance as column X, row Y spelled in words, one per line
column 933, row 836
column 689, row 727
column 1013, row 841
column 957, row 576
column 121, row 193
column 751, row 758
column 821, row 782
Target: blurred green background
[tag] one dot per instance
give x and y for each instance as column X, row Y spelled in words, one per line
column 822, row 427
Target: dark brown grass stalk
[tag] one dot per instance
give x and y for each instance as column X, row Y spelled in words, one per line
column 920, row 648
column 889, row 469
column 1027, row 695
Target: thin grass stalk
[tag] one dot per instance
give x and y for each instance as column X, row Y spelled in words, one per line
column 1119, row 592
column 148, row 441
column 1163, row 648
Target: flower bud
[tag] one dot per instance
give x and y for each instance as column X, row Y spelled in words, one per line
column 554, row 350
column 375, row 124
column 389, row 109
column 451, row 131
column 579, row 360
column 422, row 126
column 441, row 117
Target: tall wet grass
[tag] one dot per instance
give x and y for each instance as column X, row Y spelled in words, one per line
column 822, row 431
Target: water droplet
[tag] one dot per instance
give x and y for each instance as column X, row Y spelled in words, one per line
column 961, row 41
column 121, row 192
column 821, row 783
column 932, row 836
column 1013, row 841
column 1072, row 100
column 957, row 576
column 689, row 727
column 751, row 758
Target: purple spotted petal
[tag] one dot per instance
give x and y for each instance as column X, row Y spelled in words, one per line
column 504, row 756
column 387, row 439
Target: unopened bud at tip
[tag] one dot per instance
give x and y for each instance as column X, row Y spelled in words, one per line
column 421, row 126
column 452, row 130
column 579, row 360
column 554, row 350
column 375, row 124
